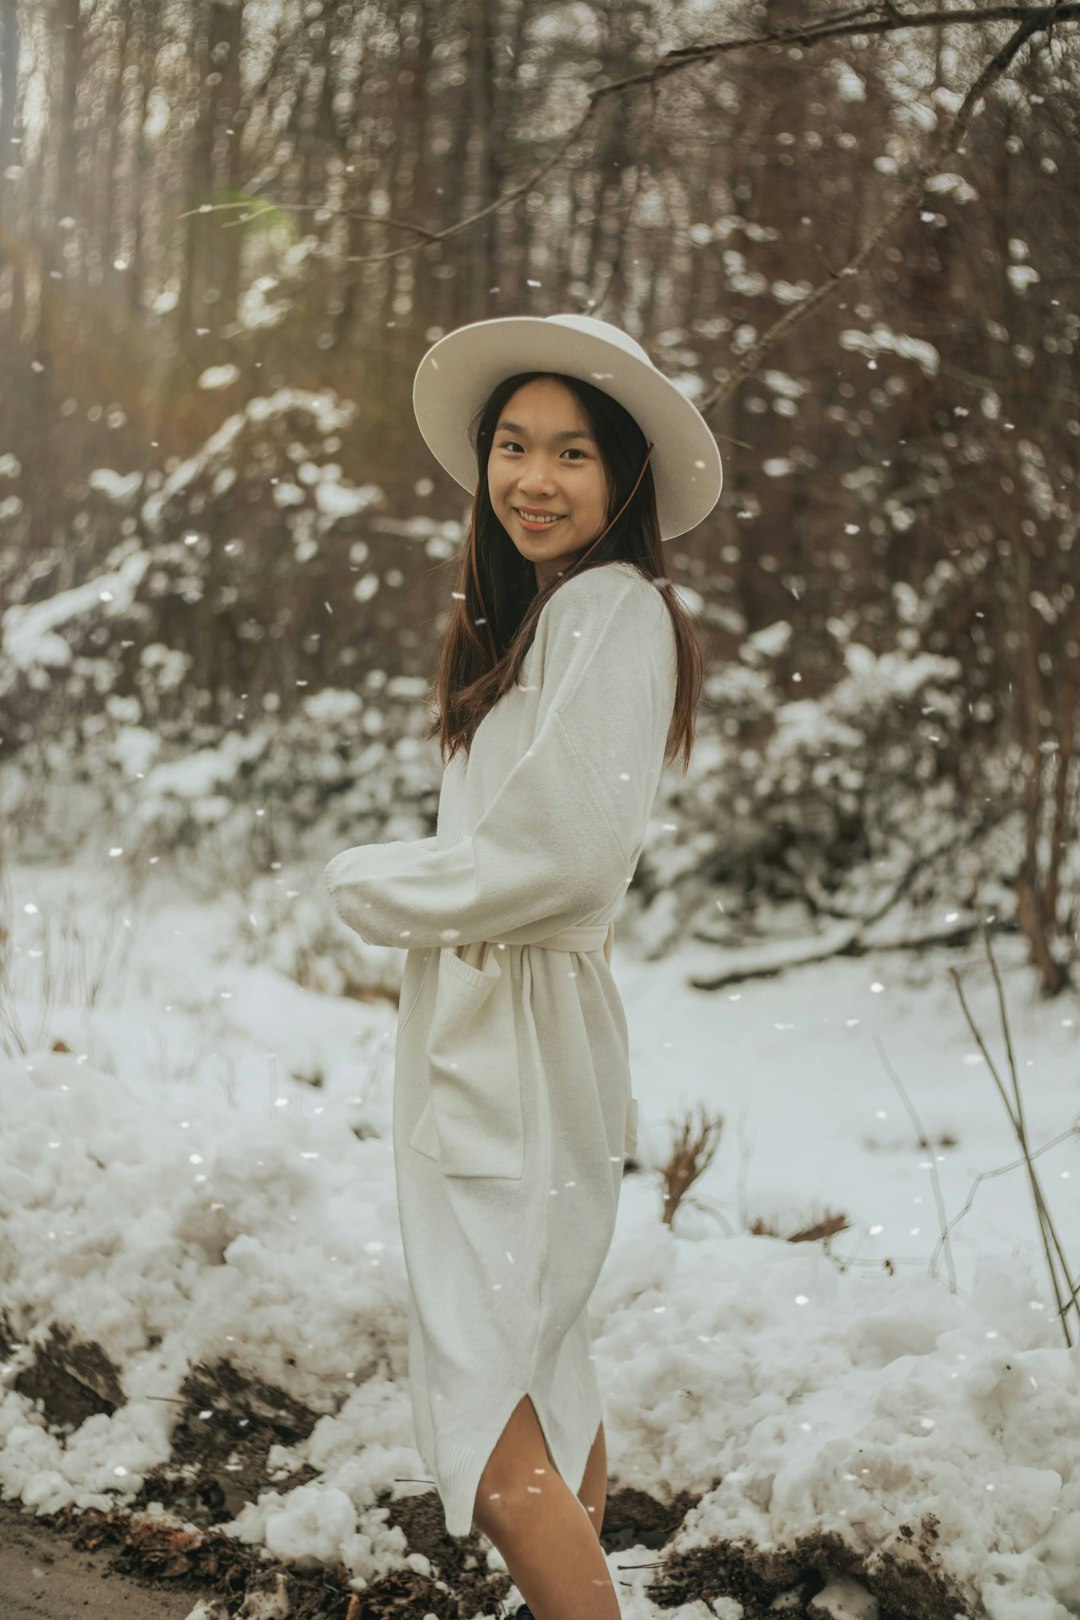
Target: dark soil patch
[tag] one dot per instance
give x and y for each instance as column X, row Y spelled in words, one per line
column 227, row 1423
column 72, row 1379
column 902, row 1578
column 905, row 1578
column 208, row 1560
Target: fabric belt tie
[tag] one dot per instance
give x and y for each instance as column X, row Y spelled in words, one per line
column 585, row 937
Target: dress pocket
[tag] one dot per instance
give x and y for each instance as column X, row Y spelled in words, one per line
column 472, row 1121
column 412, row 988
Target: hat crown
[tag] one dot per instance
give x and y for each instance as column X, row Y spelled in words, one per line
column 604, row 330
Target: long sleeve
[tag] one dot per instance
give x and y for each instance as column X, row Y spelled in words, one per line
column 560, row 839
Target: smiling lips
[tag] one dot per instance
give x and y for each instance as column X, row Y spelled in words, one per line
column 538, row 520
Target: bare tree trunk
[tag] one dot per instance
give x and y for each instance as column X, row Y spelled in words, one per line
column 111, row 138
column 1036, row 918
column 146, row 43
column 765, row 195
column 487, row 139
column 49, row 334
column 64, row 108
column 422, row 203
column 513, row 228
column 9, row 94
column 211, row 275
column 12, row 283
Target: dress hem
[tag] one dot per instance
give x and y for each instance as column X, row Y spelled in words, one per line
column 461, row 1464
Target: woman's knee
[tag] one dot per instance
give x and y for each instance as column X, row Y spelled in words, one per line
column 511, row 1485
column 518, row 1470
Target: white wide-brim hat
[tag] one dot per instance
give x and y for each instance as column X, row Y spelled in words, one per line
column 459, row 371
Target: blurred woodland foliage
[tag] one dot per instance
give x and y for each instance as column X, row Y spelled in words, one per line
column 230, row 228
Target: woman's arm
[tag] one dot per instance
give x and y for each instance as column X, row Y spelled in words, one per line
column 559, row 840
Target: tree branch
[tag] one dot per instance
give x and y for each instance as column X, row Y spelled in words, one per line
column 883, row 18
column 504, row 201
column 263, row 205
column 880, row 18
column 1035, row 21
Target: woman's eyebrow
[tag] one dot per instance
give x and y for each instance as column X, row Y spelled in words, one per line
column 572, row 433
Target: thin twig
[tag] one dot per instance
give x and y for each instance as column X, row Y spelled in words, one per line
column 907, row 201
column 1021, row 1125
column 864, row 20
column 1040, row 1208
column 1002, row 1170
column 875, row 19
column 1048, row 1232
column 1021, row 1122
column 924, row 1142
column 504, row 201
column 260, row 205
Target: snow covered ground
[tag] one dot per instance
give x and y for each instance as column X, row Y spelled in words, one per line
column 206, row 1174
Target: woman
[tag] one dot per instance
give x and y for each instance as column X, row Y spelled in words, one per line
column 568, row 674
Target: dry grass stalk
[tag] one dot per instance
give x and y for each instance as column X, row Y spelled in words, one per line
column 1065, row 1290
column 928, row 1146
column 692, row 1152
column 817, row 1232
column 822, row 1230
column 76, row 968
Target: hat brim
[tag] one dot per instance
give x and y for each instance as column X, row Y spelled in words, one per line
column 460, row 370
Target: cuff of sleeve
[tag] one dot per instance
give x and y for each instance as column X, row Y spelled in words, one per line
column 362, row 884
column 345, row 878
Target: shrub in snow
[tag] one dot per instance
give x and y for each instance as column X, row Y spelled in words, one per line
column 792, row 800
column 214, row 601
column 346, row 767
column 198, row 683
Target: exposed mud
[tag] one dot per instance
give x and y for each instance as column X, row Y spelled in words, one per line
column 55, row 1566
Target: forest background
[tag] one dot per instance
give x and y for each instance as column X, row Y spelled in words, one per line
column 230, row 228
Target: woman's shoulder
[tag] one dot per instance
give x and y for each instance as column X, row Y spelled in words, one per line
column 601, row 588
column 613, row 607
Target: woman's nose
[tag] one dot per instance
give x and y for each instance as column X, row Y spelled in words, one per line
column 531, row 480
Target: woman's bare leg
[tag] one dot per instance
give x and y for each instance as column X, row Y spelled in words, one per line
column 543, row 1531
column 593, row 1492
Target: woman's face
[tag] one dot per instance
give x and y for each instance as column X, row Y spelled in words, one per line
column 545, row 463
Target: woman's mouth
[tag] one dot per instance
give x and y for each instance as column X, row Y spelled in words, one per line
column 534, row 522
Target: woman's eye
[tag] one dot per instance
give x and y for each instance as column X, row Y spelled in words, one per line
column 509, row 444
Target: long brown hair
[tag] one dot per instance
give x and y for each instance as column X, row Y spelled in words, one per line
column 496, row 603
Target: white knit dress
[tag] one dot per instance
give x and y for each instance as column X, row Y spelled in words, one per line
column 512, row 1099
